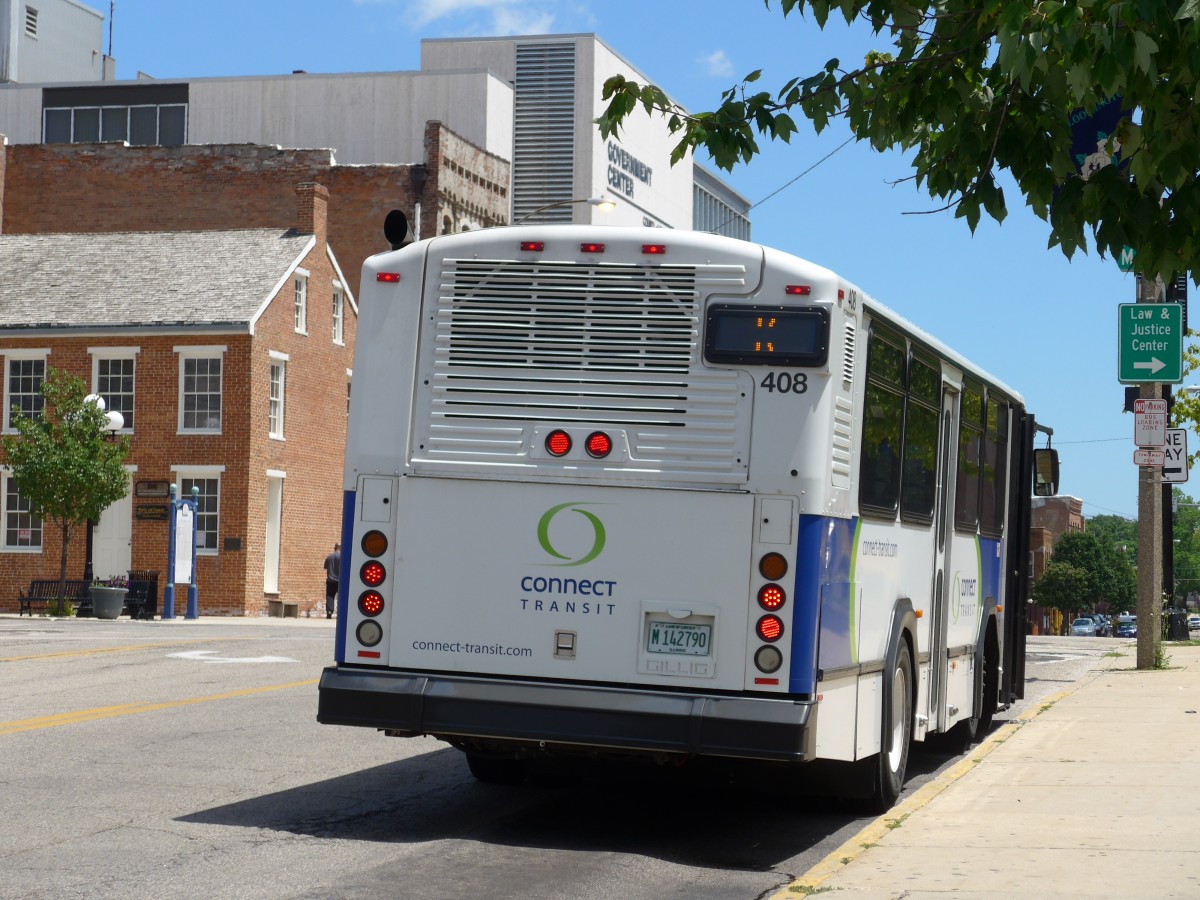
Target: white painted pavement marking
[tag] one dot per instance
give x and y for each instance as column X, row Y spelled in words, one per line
column 209, row 656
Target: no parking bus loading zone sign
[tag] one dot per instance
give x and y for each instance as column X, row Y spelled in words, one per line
column 1157, row 444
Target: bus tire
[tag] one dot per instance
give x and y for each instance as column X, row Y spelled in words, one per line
column 892, row 763
column 496, row 769
column 965, row 734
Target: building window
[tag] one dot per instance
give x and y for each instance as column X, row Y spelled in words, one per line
column 143, row 125
column 339, row 313
column 275, row 410
column 22, row 529
column 23, row 386
column 200, row 389
column 300, row 299
column 31, row 21
column 113, row 379
column 208, row 505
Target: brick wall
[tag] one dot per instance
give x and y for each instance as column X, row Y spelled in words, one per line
column 49, row 188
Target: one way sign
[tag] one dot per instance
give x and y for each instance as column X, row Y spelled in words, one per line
column 1175, row 456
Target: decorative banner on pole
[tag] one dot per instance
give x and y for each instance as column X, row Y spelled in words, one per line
column 184, row 525
column 1090, row 135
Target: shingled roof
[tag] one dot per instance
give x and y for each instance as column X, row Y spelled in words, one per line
column 142, row 279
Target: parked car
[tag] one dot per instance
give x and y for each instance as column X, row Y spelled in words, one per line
column 1194, row 622
column 1104, row 626
column 1083, row 627
column 1127, row 629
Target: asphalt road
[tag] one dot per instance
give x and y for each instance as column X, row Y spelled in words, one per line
column 183, row 759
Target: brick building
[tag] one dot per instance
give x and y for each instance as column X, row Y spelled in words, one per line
column 162, row 263
column 57, row 188
column 1050, row 518
column 228, row 353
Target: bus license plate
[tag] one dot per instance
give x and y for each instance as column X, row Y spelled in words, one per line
column 679, row 637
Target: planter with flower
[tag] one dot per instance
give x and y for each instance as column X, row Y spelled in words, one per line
column 108, row 597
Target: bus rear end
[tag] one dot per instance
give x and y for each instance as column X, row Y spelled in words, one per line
column 554, row 540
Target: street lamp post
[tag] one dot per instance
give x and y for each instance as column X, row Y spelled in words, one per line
column 115, row 423
column 604, row 204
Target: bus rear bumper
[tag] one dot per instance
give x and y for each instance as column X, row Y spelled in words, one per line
column 454, row 707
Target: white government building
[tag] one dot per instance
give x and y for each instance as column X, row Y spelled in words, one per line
column 528, row 99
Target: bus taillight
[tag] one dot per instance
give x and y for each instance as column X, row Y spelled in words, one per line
column 370, row 603
column 773, row 566
column 369, row 633
column 558, row 443
column 374, row 543
column 533, row 246
column 654, row 249
column 372, row 573
column 770, row 628
column 771, row 596
column 591, row 248
column 598, row 445
column 768, row 659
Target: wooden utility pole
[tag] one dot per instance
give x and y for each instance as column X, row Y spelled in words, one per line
column 1150, row 530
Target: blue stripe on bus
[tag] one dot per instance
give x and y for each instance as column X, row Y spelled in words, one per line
column 348, row 503
column 822, row 621
column 989, row 570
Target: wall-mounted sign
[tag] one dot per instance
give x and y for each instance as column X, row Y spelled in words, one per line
column 154, row 512
column 153, row 489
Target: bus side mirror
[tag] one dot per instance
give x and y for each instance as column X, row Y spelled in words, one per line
column 1045, row 472
column 395, row 229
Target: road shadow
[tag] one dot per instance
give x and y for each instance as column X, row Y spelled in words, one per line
column 720, row 816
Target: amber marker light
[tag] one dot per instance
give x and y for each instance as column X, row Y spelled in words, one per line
column 374, row 543
column 773, row 566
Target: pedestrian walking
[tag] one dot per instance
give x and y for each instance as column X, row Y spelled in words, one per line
column 333, row 568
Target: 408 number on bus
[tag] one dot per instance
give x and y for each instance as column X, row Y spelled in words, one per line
column 785, row 382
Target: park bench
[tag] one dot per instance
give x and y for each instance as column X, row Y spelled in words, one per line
column 142, row 600
column 42, row 590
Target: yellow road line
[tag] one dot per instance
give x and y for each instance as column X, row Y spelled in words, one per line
column 128, row 709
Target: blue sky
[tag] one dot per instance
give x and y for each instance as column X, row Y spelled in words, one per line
column 1044, row 325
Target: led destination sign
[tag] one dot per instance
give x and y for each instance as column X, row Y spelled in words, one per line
column 767, row 335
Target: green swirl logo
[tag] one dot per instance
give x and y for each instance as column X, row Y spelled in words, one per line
column 543, row 533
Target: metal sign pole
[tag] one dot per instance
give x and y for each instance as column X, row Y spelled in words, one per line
column 193, row 599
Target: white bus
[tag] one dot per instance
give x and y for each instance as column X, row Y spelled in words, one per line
column 668, row 494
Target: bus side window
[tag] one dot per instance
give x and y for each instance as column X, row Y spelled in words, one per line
column 970, row 438
column 883, row 428
column 995, row 461
column 918, row 489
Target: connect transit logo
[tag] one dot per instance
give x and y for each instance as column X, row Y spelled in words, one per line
column 571, row 559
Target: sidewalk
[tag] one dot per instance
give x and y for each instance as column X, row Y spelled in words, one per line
column 1091, row 794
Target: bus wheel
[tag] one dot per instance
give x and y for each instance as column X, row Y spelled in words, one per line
column 889, row 774
column 967, row 732
column 495, row 769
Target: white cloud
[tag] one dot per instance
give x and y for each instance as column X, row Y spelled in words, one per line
column 506, row 16
column 717, row 64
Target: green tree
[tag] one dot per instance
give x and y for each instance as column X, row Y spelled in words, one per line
column 1108, row 577
column 62, row 462
column 968, row 90
column 1063, row 587
column 1116, row 531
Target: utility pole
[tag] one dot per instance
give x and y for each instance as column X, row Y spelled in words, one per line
column 1150, row 531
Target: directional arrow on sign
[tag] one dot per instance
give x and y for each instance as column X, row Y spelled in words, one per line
column 209, row 656
column 1154, row 365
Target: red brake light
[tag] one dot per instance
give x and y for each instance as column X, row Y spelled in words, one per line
column 591, row 248
column 654, row 249
column 771, row 596
column 770, row 628
column 370, row 603
column 802, row 290
column 558, row 443
column 388, row 277
column 533, row 246
column 598, row 445
column 372, row 573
